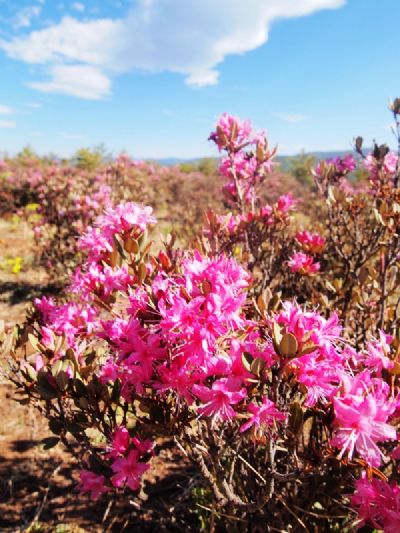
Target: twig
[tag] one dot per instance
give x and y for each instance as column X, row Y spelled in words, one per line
column 293, row 514
column 252, row 468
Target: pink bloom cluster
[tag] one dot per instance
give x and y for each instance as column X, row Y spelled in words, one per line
column 311, row 242
column 378, row 503
column 321, row 364
column 389, row 165
column 243, row 169
column 126, row 453
column 127, row 219
column 129, row 461
column 262, row 415
column 70, row 319
column 182, row 331
column 362, row 410
column 303, row 263
column 341, row 166
column 231, row 132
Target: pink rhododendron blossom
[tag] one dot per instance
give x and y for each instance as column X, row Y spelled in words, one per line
column 230, row 222
column 303, row 263
column 92, row 483
column 285, row 203
column 218, row 401
column 378, row 352
column 343, row 165
column 123, row 218
column 128, row 470
column 101, row 280
column 361, row 415
column 231, row 132
column 262, row 415
column 389, row 165
column 377, row 503
column 321, row 370
column 70, row 319
column 209, row 307
column 120, row 442
column 311, row 242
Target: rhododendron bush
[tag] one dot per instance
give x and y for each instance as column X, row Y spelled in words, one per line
column 268, row 352
column 60, row 200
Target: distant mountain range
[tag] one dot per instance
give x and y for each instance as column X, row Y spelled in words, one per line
column 282, row 159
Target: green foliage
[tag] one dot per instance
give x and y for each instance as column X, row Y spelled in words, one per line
column 87, row 159
column 207, row 165
column 27, row 153
column 300, row 167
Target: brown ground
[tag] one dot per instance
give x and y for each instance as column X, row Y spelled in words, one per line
column 38, row 488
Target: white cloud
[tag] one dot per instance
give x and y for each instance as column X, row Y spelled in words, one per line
column 24, row 17
column 77, row 6
column 6, row 110
column 8, row 124
column 182, row 36
column 82, row 81
column 291, row 118
column 33, row 105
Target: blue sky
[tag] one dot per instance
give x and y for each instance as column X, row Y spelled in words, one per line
column 151, row 76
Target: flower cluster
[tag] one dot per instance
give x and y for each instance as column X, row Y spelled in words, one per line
column 244, row 168
column 378, row 503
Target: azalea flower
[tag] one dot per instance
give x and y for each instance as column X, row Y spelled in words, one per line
column 120, row 442
column 361, row 415
column 311, row 242
column 263, row 415
column 219, row 399
column 377, row 503
column 285, row 203
column 92, row 483
column 128, row 470
column 303, row 263
column 231, row 132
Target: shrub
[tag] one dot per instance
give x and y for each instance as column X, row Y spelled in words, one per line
column 287, row 407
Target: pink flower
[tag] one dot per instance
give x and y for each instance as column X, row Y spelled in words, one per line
column 285, row 203
column 378, row 352
column 378, row 503
column 312, row 242
column 70, row 319
column 263, row 415
column 121, row 219
column 202, row 305
column 320, row 371
column 231, row 132
column 378, row 169
column 218, row 400
column 344, row 165
column 303, row 263
column 230, row 222
column 390, row 162
column 92, row 483
column 128, row 471
column 120, row 442
column 361, row 415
